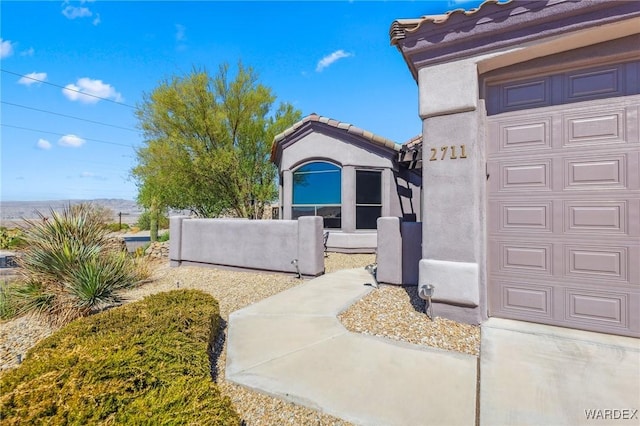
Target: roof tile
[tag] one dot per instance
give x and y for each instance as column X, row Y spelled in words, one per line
column 400, row 27
column 376, row 139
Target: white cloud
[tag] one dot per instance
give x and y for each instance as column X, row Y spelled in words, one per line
column 331, row 58
column 87, row 86
column 31, row 78
column 43, row 144
column 28, row 52
column 181, row 32
column 6, row 48
column 71, row 141
column 73, row 12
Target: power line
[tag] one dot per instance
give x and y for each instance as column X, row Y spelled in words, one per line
column 66, row 88
column 69, row 116
column 61, row 134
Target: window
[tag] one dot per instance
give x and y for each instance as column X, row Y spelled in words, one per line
column 368, row 198
column 317, row 192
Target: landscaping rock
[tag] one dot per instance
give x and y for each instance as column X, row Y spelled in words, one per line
column 157, row 250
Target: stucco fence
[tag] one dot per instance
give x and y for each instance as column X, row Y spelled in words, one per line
column 399, row 251
column 290, row 246
column 270, row 245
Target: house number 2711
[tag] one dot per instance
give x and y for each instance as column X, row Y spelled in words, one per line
column 452, row 150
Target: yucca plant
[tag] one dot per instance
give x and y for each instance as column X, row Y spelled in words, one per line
column 8, row 307
column 71, row 266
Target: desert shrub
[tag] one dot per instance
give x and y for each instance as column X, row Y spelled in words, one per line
column 96, row 212
column 10, row 238
column 144, row 363
column 116, row 227
column 71, row 266
column 144, row 221
column 139, row 253
column 8, row 306
column 163, row 237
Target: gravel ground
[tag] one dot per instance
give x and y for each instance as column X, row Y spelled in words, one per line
column 398, row 313
column 390, row 311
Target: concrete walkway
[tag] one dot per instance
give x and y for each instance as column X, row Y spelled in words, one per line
column 292, row 346
column 533, row 374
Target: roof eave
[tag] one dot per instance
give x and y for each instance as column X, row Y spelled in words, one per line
column 500, row 25
column 314, row 119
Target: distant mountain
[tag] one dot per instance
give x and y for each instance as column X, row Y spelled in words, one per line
column 14, row 211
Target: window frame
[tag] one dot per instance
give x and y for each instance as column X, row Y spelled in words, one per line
column 358, row 205
column 317, row 206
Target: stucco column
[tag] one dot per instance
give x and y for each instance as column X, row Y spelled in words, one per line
column 287, row 193
column 348, row 198
column 454, row 186
column 175, row 242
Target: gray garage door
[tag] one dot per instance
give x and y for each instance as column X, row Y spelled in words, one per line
column 564, row 199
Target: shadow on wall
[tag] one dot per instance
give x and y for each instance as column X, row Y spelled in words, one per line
column 399, row 251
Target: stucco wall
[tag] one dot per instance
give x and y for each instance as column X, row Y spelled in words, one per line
column 329, row 146
column 400, row 189
column 254, row 244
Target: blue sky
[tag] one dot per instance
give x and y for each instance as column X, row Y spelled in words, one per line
column 332, row 58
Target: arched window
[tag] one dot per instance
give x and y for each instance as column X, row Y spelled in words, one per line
column 317, row 192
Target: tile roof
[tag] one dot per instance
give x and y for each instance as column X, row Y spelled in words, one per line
column 416, row 140
column 400, row 27
column 350, row 128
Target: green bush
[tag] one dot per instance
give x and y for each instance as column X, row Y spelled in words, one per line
column 145, row 363
column 163, row 237
column 115, row 226
column 144, row 221
column 72, row 267
column 10, row 238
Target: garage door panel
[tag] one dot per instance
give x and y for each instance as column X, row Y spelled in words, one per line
column 552, row 303
column 519, row 135
column 525, row 216
column 633, row 124
column 531, row 258
column 588, row 129
column 530, row 93
column 596, row 307
column 634, row 170
column 523, row 298
column 533, row 175
column 522, row 258
column 597, row 172
column 596, row 217
column 564, row 203
column 596, row 262
column 595, row 83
